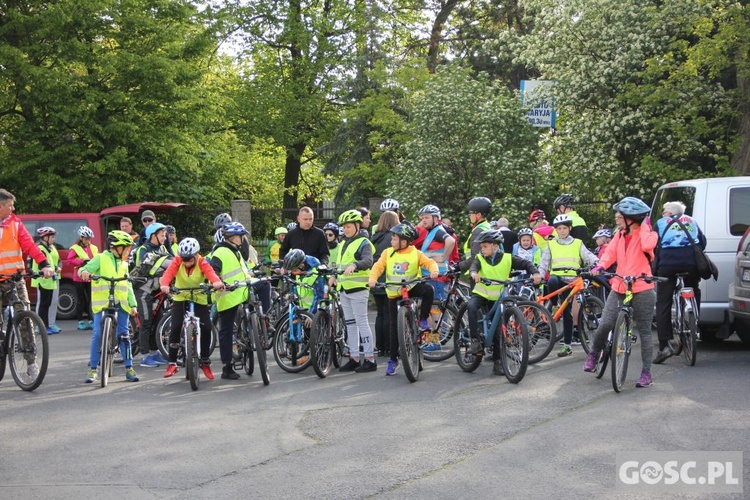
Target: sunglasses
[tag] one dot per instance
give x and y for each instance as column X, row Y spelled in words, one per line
column 330, row 235
column 148, row 220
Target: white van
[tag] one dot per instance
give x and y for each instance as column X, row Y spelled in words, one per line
column 721, row 207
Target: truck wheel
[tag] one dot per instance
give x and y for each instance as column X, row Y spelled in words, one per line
column 66, row 308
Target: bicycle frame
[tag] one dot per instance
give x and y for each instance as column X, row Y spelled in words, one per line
column 580, row 285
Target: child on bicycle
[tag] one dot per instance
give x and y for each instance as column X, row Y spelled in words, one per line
column 494, row 264
column 189, row 270
column 525, row 247
column 404, row 261
column 632, row 249
column 111, row 264
column 564, row 251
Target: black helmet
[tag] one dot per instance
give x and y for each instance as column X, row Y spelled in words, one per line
column 490, row 236
column 564, row 199
column 294, row 259
column 481, row 204
column 405, row 231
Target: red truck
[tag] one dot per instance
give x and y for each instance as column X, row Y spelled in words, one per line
column 67, row 232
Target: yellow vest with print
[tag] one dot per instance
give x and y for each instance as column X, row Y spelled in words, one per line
column 53, row 257
column 564, row 256
column 184, row 280
column 500, row 271
column 111, row 268
column 358, row 279
column 233, row 268
column 403, row 265
column 484, row 226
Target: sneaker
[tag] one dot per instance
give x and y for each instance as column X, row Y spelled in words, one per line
column 206, row 371
column 90, row 326
column 565, row 350
column 497, row 368
column 432, row 347
column 392, row 367
column 92, row 376
column 130, row 375
column 228, row 373
column 424, row 325
column 159, row 359
column 32, row 371
column 590, row 364
column 350, row 366
column 171, row 370
column 82, row 325
column 645, row 379
column 148, row 361
column 575, row 340
column 367, row 366
column 53, row 329
column 662, row 355
column 302, row 360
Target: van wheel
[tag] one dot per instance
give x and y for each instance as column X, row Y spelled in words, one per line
column 66, row 308
column 708, row 334
column 742, row 329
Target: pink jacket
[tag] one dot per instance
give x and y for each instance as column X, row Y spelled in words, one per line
column 629, row 252
column 76, row 262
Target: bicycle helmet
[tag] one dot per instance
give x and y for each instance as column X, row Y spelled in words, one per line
column 405, row 231
column 218, row 237
column 430, row 210
column 294, row 259
column 350, row 216
column 171, row 230
column 153, row 228
column 222, row 219
column 330, row 226
column 280, row 230
column 494, row 224
column 525, row 231
column 562, row 220
column 537, row 215
column 188, row 247
column 490, row 236
column 631, row 205
column 119, row 238
column 233, row 229
column 341, row 232
column 389, row 204
column 85, row 232
column 564, row 199
column 45, row 231
column 291, row 225
column 481, row 205
column 603, row 233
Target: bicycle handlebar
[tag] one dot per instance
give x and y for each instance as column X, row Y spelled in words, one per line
column 632, row 279
column 403, row 283
column 111, row 280
column 22, row 274
column 203, row 287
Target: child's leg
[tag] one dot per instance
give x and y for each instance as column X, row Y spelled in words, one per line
column 123, row 335
column 473, row 308
column 427, row 293
column 177, row 312
column 643, row 311
column 358, row 303
column 96, row 341
column 204, row 316
column 393, row 320
column 352, row 330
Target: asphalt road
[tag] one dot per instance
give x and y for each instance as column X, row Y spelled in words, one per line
column 450, row 435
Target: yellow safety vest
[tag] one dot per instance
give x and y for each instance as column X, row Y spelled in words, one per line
column 577, row 219
column 273, row 252
column 500, row 271
column 484, row 226
column 334, row 254
column 564, row 256
column 358, row 279
column 305, row 294
column 110, row 267
column 81, row 253
column 184, row 280
column 233, row 268
column 398, row 266
column 53, row 257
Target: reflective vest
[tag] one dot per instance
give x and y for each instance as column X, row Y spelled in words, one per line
column 305, row 294
column 159, row 265
column 398, row 266
column 334, row 254
column 273, row 252
column 184, row 280
column 11, row 256
column 500, row 271
column 358, row 279
column 233, row 268
column 110, row 268
column 81, row 253
column 577, row 219
column 564, row 256
column 484, row 226
column 53, row 257
column 435, row 254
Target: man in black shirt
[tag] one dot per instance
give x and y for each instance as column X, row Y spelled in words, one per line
column 306, row 237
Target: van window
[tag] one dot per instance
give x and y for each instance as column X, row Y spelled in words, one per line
column 739, row 210
column 67, row 230
column 685, row 194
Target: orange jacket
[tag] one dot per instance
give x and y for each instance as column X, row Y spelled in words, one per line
column 168, row 277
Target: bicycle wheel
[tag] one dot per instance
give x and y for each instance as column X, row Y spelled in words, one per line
column 259, row 347
column 462, row 342
column 292, row 357
column 514, row 344
column 689, row 339
column 542, row 330
column 107, row 350
column 191, row 358
column 243, row 345
column 588, row 321
column 4, row 351
column 339, row 338
column 28, row 353
column 133, row 331
column 602, row 360
column 620, row 350
column 320, row 343
column 162, row 334
column 445, row 329
column 407, row 348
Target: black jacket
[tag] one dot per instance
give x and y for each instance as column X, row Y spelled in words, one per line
column 311, row 241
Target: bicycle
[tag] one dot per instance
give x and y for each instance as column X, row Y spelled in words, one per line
column 456, row 293
column 504, row 328
column 684, row 322
column 292, row 340
column 190, row 335
column 591, row 307
column 328, row 333
column 109, row 344
column 159, row 315
column 24, row 340
column 165, row 326
column 539, row 321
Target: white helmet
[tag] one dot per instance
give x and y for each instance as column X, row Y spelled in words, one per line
column 188, row 247
column 85, row 232
column 389, row 204
column 562, row 219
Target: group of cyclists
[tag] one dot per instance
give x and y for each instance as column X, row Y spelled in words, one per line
column 390, row 253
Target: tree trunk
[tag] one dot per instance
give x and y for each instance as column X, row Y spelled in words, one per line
column 433, row 51
column 291, row 175
column 741, row 159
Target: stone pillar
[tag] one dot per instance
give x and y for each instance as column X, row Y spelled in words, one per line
column 241, row 213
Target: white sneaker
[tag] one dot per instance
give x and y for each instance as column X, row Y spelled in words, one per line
column 33, row 371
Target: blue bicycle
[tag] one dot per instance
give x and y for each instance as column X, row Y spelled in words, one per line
column 291, row 346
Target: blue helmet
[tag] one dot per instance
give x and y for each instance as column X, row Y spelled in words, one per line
column 630, row 205
column 233, row 229
column 153, row 228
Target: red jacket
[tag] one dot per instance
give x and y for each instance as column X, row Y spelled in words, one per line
column 629, row 252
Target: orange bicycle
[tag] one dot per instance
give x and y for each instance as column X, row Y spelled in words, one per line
column 582, row 290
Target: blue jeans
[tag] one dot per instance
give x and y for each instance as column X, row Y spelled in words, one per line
column 123, row 337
